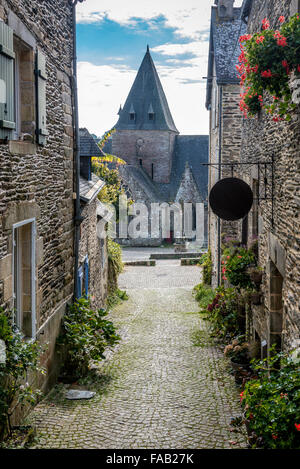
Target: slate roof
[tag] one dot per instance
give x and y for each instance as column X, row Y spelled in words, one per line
column 90, row 189
column 224, row 49
column 88, row 145
column 146, row 94
column 191, row 149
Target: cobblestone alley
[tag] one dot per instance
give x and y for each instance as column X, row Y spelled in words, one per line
column 157, row 389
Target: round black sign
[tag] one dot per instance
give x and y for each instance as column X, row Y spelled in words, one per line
column 231, row 199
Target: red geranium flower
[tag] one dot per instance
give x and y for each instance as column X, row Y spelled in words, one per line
column 274, row 436
column 297, row 425
column 282, row 41
column 266, row 73
column 265, row 23
column 281, row 19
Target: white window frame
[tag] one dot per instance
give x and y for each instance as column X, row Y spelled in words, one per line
column 17, row 131
column 17, row 319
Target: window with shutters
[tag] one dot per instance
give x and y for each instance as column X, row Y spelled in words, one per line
column 23, row 81
column 7, row 87
column 24, row 89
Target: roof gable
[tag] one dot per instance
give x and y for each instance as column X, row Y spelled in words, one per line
column 146, row 93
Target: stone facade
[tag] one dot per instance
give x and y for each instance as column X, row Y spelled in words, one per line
column 94, row 248
column 277, row 320
column 37, row 180
column 223, row 96
column 153, row 149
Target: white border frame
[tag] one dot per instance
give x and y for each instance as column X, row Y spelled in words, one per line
column 33, row 270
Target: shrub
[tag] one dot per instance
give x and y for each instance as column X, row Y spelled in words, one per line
column 235, row 264
column 86, row 335
column 115, row 264
column 206, row 263
column 21, row 358
column 272, row 403
column 224, row 314
column 203, row 295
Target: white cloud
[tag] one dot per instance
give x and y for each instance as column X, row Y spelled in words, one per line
column 103, row 88
column 188, row 17
column 100, row 88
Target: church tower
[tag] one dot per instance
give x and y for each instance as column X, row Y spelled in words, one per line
column 145, row 132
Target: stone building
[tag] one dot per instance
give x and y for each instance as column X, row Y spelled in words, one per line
column 160, row 162
column 275, row 220
column 225, row 119
column 93, row 257
column 36, row 176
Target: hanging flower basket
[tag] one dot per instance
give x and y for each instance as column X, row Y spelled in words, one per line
column 267, row 61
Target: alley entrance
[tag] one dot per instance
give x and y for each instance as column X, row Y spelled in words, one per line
column 157, row 389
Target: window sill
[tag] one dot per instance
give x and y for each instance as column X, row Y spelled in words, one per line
column 17, row 147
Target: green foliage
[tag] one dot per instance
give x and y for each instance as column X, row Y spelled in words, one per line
column 105, row 137
column 266, row 62
column 235, row 264
column 272, row 403
column 115, row 264
column 86, row 335
column 115, row 298
column 22, row 356
column 225, row 315
column 206, row 263
column 203, row 295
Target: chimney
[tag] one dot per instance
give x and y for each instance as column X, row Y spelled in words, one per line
column 225, row 9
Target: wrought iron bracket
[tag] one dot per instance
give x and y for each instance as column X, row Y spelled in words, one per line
column 265, row 172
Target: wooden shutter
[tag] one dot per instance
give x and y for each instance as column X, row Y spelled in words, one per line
column 7, row 88
column 41, row 80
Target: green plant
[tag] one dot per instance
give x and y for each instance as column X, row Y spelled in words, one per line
column 22, row 357
column 206, row 263
column 272, row 403
column 203, row 295
column 86, row 335
column 225, row 317
column 266, row 62
column 238, row 351
column 115, row 298
column 235, row 264
column 115, row 264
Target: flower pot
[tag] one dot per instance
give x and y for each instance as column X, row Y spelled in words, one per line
column 255, row 298
column 239, row 366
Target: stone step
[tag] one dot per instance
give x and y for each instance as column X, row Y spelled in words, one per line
column 176, row 255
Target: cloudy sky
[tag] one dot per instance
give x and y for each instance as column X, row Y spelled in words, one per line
column 112, row 40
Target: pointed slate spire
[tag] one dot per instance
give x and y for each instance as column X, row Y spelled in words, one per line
column 120, row 110
column 146, row 91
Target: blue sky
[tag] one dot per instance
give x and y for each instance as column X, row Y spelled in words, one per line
column 112, row 40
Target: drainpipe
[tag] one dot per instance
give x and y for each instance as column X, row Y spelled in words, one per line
column 77, row 218
column 219, row 177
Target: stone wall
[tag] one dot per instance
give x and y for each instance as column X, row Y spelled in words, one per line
column 225, row 99
column 279, row 235
column 96, row 250
column 151, row 146
column 37, row 181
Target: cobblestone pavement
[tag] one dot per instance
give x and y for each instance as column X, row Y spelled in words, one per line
column 156, row 389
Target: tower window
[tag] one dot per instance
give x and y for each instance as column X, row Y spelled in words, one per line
column 151, row 116
column 152, row 171
column 132, row 116
column 141, row 161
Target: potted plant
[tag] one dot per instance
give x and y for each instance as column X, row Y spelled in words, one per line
column 256, row 274
column 238, row 352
